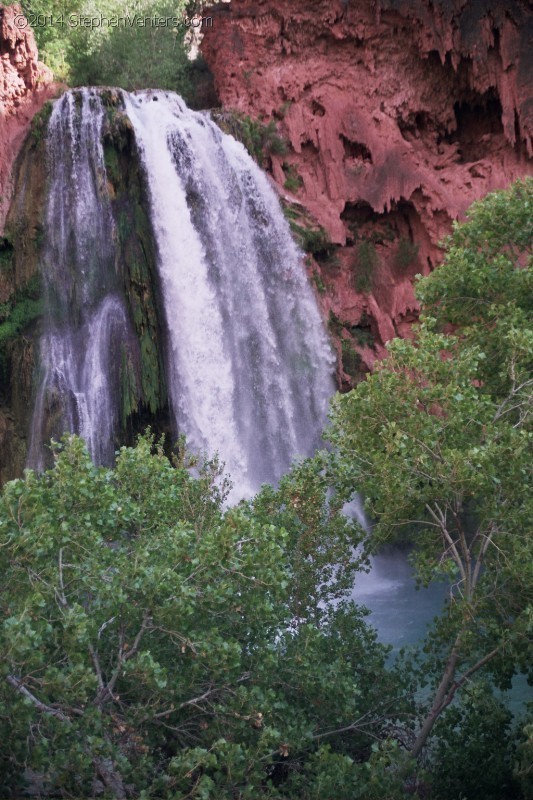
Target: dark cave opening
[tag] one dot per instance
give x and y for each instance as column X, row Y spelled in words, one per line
column 355, row 151
column 476, row 117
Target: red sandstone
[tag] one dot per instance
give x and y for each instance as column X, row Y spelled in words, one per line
column 25, row 84
column 399, row 113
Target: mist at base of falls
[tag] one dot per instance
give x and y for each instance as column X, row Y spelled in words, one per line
column 399, row 611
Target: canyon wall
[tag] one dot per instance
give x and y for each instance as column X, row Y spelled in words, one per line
column 25, row 85
column 398, row 114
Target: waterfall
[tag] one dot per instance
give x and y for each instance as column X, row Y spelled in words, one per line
column 249, row 366
column 86, row 324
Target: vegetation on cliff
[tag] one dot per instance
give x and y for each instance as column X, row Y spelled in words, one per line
column 260, row 140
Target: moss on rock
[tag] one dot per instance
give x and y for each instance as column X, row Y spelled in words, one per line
column 136, row 263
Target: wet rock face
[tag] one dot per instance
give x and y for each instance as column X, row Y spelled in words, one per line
column 25, row 85
column 399, row 114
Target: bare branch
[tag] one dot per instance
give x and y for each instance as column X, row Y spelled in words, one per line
column 18, row 685
column 105, row 693
column 60, row 595
column 137, row 641
column 97, row 668
column 441, row 520
column 104, row 626
column 461, row 682
column 193, row 702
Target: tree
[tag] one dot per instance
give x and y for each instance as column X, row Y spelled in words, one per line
column 133, row 56
column 133, row 45
column 150, row 642
column 485, row 288
column 438, row 440
column 49, row 20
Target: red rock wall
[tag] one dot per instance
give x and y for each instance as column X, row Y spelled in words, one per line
column 399, row 114
column 25, row 84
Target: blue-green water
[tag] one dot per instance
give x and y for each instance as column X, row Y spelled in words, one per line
column 401, row 613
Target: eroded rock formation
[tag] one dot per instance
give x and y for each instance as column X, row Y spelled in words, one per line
column 399, row 114
column 25, row 84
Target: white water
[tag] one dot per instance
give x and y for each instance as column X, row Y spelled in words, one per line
column 249, row 367
column 249, row 364
column 86, row 325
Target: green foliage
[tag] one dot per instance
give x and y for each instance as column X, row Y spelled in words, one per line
column 259, row 139
column 13, row 321
column 125, row 54
column 523, row 767
column 365, row 265
column 420, row 440
column 335, row 325
column 137, row 263
column 16, row 314
column 362, row 335
column 485, row 287
column 292, row 211
column 474, row 750
column 133, row 57
column 6, row 255
column 39, row 124
column 152, row 640
column 319, row 283
column 293, row 180
column 406, row 253
column 438, row 441
column 351, row 360
column 320, row 540
column 313, row 240
column 53, row 37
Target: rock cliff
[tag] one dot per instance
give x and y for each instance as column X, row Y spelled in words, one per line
column 399, row 114
column 25, row 84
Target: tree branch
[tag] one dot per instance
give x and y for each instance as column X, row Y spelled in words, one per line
column 436, row 708
column 447, row 691
column 18, row 685
column 193, row 702
column 441, row 521
column 105, row 693
column 97, row 668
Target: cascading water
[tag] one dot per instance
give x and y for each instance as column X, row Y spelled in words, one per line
column 86, row 325
column 249, row 363
column 249, row 366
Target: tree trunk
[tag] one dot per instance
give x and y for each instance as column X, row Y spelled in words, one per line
column 110, row 777
column 439, row 701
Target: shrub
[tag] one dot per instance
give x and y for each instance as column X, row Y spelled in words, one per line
column 293, row 180
column 319, row 283
column 20, row 310
column 259, row 139
column 406, row 253
column 351, row 360
column 366, row 262
column 313, row 240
